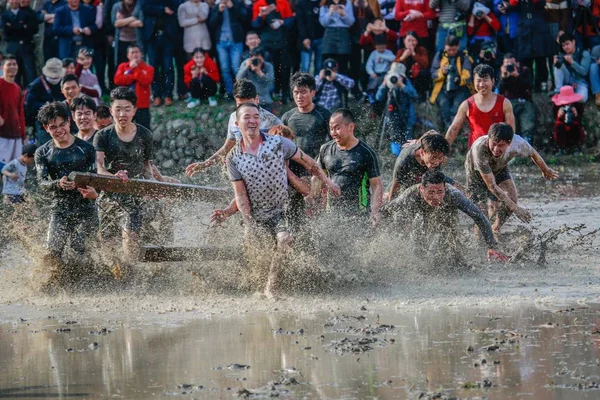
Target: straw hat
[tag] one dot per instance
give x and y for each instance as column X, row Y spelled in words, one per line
column 566, row 96
column 53, row 68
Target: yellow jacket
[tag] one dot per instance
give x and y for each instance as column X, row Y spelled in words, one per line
column 463, row 66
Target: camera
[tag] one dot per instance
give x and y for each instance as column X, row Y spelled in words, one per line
column 459, row 16
column 452, row 79
column 510, row 68
column 568, row 114
column 391, row 80
column 328, row 72
column 488, row 55
column 479, row 14
column 560, row 60
column 255, row 62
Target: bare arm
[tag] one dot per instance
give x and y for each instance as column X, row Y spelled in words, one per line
column 394, row 190
column 313, row 168
column 547, row 172
column 194, row 168
column 376, row 197
column 100, row 164
column 300, row 184
column 458, row 122
column 497, row 191
column 509, row 115
column 241, row 199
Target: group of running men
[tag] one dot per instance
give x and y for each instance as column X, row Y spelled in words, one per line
column 269, row 162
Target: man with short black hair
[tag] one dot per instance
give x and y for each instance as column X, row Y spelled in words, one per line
column 332, row 87
column 572, row 66
column 261, row 74
column 83, row 110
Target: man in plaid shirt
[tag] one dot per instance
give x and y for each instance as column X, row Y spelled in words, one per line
column 332, row 86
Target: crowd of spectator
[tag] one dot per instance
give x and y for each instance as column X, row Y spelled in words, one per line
column 390, row 54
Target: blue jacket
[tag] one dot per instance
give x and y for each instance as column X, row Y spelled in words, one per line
column 511, row 18
column 401, row 115
column 155, row 9
column 63, row 28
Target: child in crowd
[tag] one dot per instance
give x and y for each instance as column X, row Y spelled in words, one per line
column 201, row 75
column 68, row 66
column 378, row 64
column 568, row 133
column 87, row 79
column 13, row 175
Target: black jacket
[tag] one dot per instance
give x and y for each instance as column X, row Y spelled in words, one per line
column 238, row 16
column 307, row 18
column 21, row 26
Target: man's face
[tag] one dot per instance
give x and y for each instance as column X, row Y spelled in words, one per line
column 86, row 61
column 70, row 90
column 248, row 121
column 84, row 118
column 252, row 41
column 14, row 4
column 24, row 3
column 102, row 123
column 569, row 46
column 122, row 112
column 483, row 85
column 379, row 25
column 303, row 96
column 240, row 101
column 10, row 68
column 69, row 70
column 410, row 42
column 433, row 194
column 28, row 160
column 432, row 159
column 59, row 129
column 134, row 54
column 451, row 51
column 199, row 59
column 340, row 130
column 498, row 147
column 73, row 3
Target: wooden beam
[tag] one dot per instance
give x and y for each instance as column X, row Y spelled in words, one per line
column 173, row 254
column 150, row 188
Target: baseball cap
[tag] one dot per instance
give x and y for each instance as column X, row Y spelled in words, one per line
column 330, row 63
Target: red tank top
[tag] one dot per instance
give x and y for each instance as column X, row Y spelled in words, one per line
column 480, row 121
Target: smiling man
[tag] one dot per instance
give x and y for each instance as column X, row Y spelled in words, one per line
column 488, row 176
column 83, row 110
column 482, row 109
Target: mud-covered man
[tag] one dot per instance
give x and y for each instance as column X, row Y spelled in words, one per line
column 438, row 204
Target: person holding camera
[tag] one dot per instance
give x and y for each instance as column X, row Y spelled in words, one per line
column 571, row 66
column 451, row 72
column 261, row 74
column 516, row 84
column 332, row 87
column 482, row 26
column 452, row 21
column 568, row 133
column 375, row 29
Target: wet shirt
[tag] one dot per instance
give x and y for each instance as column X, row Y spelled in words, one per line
column 264, row 174
column 311, row 129
column 480, row 158
column 11, row 187
column 53, row 163
column 267, row 121
column 410, row 203
column 351, row 171
column 120, row 155
column 407, row 170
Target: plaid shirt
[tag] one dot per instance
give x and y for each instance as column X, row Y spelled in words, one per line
column 329, row 96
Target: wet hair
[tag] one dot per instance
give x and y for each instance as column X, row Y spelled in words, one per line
column 501, row 131
column 29, row 150
column 484, row 71
column 432, row 177
column 51, row 111
column 69, row 78
column 566, row 36
column 67, row 61
column 133, row 46
column 303, row 80
column 452, row 41
column 346, row 115
column 198, row 50
column 123, row 93
column 434, row 143
column 282, row 130
column 244, row 89
column 103, row 112
column 243, row 105
column 79, row 103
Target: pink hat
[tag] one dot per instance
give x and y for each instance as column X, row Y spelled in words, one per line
column 566, row 96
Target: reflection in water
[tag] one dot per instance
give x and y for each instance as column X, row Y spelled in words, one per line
column 521, row 352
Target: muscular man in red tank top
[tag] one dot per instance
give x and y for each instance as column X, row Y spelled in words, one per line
column 482, row 109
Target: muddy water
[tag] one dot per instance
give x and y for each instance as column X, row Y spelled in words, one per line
column 502, row 353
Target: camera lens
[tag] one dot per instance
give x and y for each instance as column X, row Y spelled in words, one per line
column 255, row 62
column 394, row 79
column 327, row 72
column 510, row 68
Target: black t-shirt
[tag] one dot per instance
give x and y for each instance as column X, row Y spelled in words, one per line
column 351, row 171
column 311, row 129
column 120, row 155
column 296, row 209
column 407, row 170
column 53, row 163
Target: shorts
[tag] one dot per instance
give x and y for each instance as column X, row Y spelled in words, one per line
column 78, row 228
column 273, row 225
column 10, row 199
column 119, row 212
column 478, row 190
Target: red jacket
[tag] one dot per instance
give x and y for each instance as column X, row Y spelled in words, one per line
column 12, row 111
column 368, row 42
column 209, row 64
column 282, row 7
column 483, row 28
column 140, row 77
column 418, row 25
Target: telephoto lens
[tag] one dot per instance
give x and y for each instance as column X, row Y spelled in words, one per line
column 327, row 72
column 255, row 62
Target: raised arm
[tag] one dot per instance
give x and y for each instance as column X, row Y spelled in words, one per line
column 313, row 168
column 457, row 123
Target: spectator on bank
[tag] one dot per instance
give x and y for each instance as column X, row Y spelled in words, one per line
column 140, row 75
column 416, row 59
column 87, row 79
column 226, row 22
column 516, row 84
column 13, row 176
column 586, row 20
column 161, row 34
column 252, row 42
column 202, row 76
column 509, row 21
column 261, row 74
column 482, row 27
column 571, row 66
column 310, row 34
column 365, row 13
column 128, row 21
column 388, row 13
column 332, row 86
column 44, row 89
column 375, row 29
column 451, row 72
column 414, row 15
column 192, row 16
column 12, row 113
column 68, row 66
column 378, row 64
column 337, row 16
column 568, row 133
column 74, row 24
column 50, row 41
column 20, row 24
column 99, row 44
column 452, row 21
column 558, row 21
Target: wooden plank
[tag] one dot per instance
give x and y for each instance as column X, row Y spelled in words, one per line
column 173, row 254
column 151, row 189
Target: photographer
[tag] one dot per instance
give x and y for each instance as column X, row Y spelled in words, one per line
column 451, row 72
column 516, row 84
column 261, row 74
column 571, row 66
column 400, row 114
column 332, row 87
column 487, row 54
column 482, row 27
column 452, row 21
column 568, row 133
